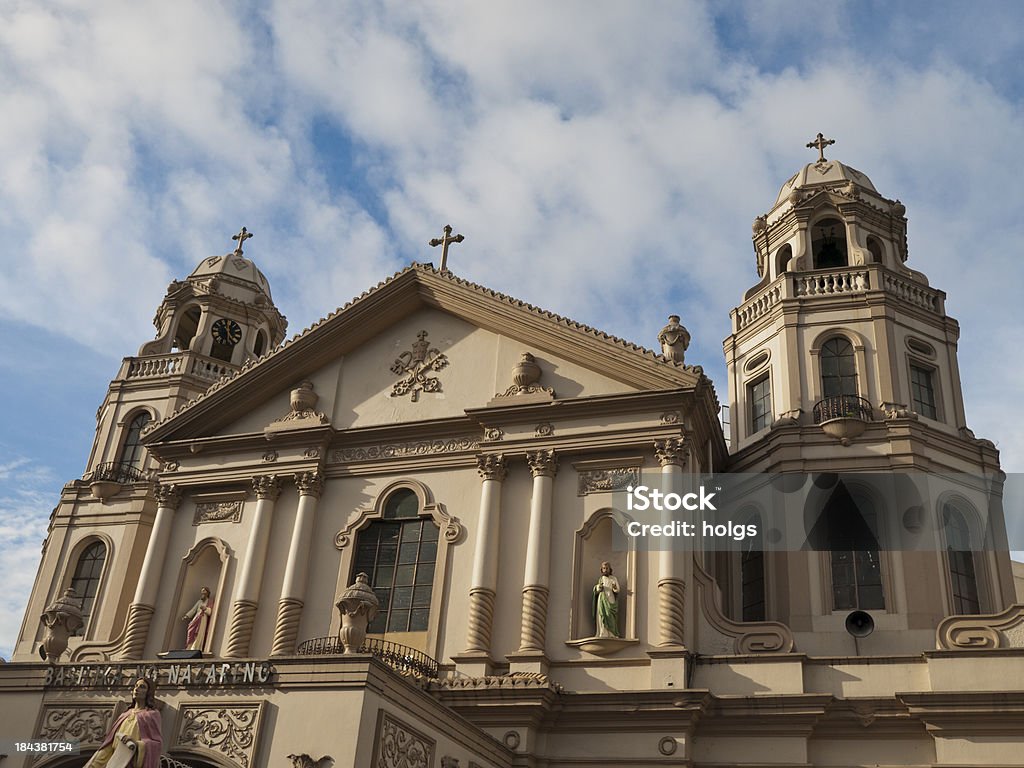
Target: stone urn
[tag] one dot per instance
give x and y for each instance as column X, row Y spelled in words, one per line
column 358, row 607
column 526, row 372
column 674, row 340
column 303, row 397
column 62, row 619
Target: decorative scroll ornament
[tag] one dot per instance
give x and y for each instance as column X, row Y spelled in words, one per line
column 526, row 375
column 400, row 746
column 226, row 728
column 305, row 761
column 85, row 724
column 607, row 480
column 399, row 450
column 415, row 366
column 674, row 340
column 218, row 512
column 302, row 414
column 993, row 630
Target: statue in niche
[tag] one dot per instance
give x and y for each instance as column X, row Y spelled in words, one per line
column 606, row 603
column 198, row 618
column 135, row 739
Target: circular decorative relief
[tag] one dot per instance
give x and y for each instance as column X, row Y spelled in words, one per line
column 920, row 346
column 668, row 745
column 511, row 739
column 758, row 360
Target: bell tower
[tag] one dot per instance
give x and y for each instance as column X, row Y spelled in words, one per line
column 208, row 325
column 843, row 360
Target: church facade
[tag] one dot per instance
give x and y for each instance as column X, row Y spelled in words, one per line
column 405, row 538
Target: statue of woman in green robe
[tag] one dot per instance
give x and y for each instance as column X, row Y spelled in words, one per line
column 606, row 603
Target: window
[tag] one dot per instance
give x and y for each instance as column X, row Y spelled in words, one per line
column 829, row 244
column 962, row 575
column 922, row 391
column 838, row 369
column 86, row 580
column 850, row 526
column 398, row 553
column 752, row 575
column 760, row 404
column 261, row 344
column 131, row 452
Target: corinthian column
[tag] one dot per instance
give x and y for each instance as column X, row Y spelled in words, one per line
column 543, row 466
column 293, row 591
column 168, row 497
column 671, row 454
column 493, row 470
column 250, row 577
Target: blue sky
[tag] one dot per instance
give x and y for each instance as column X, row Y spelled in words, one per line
column 604, row 160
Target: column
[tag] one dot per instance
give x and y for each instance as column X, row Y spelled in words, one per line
column 671, row 453
column 493, row 470
column 543, row 466
column 293, row 591
column 140, row 613
column 250, row 576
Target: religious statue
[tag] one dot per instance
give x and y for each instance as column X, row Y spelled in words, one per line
column 674, row 339
column 198, row 618
column 135, row 739
column 606, row 603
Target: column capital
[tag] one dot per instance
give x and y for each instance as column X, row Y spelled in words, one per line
column 167, row 496
column 266, row 487
column 543, row 463
column 671, row 451
column 309, row 484
column 492, row 466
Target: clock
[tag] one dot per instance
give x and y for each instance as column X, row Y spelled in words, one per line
column 227, row 332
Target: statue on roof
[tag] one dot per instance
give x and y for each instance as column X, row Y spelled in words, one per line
column 674, row 340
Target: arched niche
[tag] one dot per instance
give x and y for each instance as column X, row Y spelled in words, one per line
column 188, row 325
column 603, row 538
column 784, row 260
column 205, row 565
column 875, row 250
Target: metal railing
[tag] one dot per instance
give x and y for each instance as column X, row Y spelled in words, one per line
column 842, row 407
column 401, row 658
column 115, row 472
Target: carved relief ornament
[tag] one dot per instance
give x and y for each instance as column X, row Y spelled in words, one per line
column 526, row 379
column 310, row 484
column 401, row 450
column 227, row 728
column 267, row 487
column 86, row 724
column 543, row 463
column 398, row 745
column 607, row 480
column 671, row 450
column 492, row 466
column 167, row 496
column 218, row 512
column 415, row 366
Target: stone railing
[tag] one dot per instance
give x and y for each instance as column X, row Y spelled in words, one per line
column 845, row 281
column 401, row 658
column 175, row 364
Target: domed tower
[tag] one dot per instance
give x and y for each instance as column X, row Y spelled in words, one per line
column 208, row 325
column 843, row 359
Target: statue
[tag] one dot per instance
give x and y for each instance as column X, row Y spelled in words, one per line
column 135, row 740
column 674, row 339
column 606, row 603
column 198, row 618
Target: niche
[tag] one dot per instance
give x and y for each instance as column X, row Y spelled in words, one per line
column 828, row 244
column 205, row 565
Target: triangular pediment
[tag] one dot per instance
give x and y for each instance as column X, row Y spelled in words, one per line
column 423, row 345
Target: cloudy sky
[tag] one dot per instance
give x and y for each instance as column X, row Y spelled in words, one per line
column 604, row 160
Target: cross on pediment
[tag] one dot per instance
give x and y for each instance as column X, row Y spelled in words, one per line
column 819, row 143
column 444, row 243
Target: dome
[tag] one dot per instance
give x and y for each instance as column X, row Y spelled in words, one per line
column 236, row 268
column 824, row 173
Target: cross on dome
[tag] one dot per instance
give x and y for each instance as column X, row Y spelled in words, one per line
column 820, row 143
column 241, row 237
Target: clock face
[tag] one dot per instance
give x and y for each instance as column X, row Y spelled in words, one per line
column 226, row 332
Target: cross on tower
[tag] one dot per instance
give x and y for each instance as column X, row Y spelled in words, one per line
column 820, row 143
column 444, row 242
column 241, row 237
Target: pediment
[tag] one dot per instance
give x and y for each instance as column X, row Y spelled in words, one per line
column 422, row 346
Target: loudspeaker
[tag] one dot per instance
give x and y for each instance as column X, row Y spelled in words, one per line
column 860, row 624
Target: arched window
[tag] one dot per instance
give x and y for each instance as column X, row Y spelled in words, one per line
column 783, row 259
column 398, row 553
column 838, row 369
column 875, row 249
column 86, row 579
column 187, row 327
column 752, row 575
column 131, row 451
column 959, row 552
column 260, row 345
column 828, row 244
column 847, row 528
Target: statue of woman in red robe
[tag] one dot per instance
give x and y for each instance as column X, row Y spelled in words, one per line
column 135, row 739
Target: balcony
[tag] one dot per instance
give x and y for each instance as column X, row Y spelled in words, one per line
column 191, row 364
column 843, row 417
column 401, row 658
column 107, row 479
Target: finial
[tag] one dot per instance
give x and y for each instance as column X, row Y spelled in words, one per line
column 241, row 237
column 819, row 143
column 443, row 242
